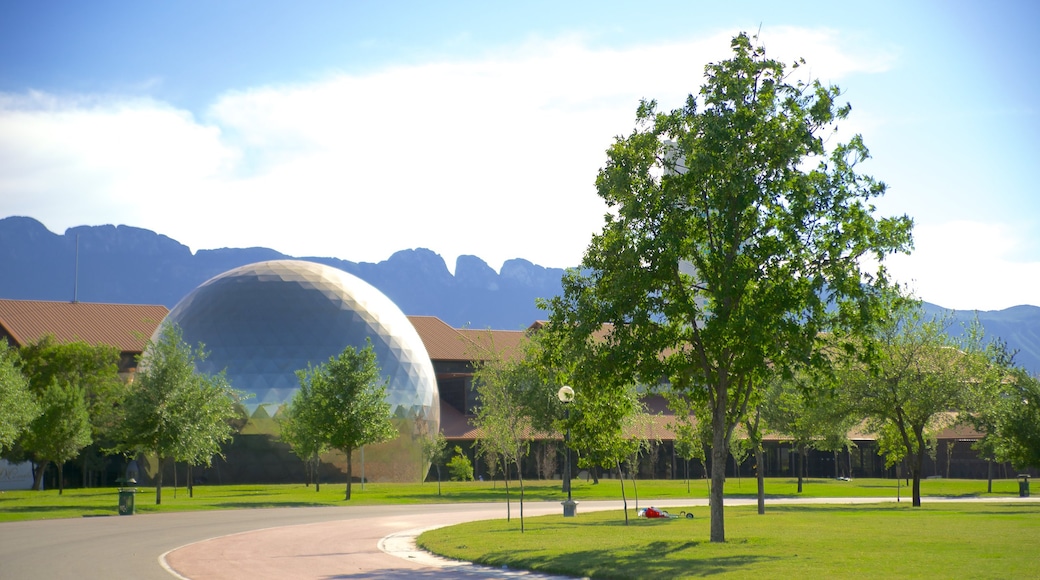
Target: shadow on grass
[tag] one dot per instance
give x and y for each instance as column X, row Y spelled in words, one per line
column 656, row 563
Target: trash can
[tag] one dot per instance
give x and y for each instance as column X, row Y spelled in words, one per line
column 1023, row 485
column 126, row 502
column 126, row 497
column 569, row 507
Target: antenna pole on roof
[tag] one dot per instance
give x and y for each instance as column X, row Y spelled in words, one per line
column 75, row 282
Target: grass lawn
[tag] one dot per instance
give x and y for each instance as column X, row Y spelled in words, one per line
column 24, row 505
column 938, row 540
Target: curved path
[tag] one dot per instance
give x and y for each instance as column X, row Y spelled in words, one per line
column 354, row 542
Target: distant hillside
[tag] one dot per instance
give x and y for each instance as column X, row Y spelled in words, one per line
column 137, row 266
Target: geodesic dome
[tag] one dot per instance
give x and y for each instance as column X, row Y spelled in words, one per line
column 262, row 322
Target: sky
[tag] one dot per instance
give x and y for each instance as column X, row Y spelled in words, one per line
column 354, row 129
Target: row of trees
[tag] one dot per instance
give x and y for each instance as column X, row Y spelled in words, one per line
column 60, row 401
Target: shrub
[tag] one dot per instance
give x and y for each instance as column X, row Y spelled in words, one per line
column 460, row 466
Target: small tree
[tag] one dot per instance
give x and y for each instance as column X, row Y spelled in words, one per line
column 501, row 386
column 300, row 428
column 62, row 429
column 344, row 401
column 433, row 450
column 173, row 411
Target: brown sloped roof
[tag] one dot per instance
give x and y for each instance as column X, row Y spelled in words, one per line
column 441, row 340
column 463, row 344
column 504, row 342
column 125, row 326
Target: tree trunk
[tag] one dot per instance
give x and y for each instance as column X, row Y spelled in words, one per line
column 800, row 459
column 350, row 474
column 761, row 476
column 624, row 500
column 916, row 466
column 635, row 490
column 719, row 452
column 61, row 477
column 505, row 478
column 190, row 482
column 989, row 475
column 38, row 473
column 520, row 478
column 915, row 471
column 158, row 483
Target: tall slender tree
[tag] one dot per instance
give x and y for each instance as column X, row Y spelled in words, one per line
column 735, row 234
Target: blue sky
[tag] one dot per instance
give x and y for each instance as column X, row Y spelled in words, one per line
column 355, row 129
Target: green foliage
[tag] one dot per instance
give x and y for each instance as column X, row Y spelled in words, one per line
column 300, row 425
column 18, row 407
column 908, row 379
column 433, row 450
column 734, row 237
column 173, row 411
column 62, row 429
column 1005, row 405
column 460, row 467
column 341, row 404
column 507, row 389
column 94, row 368
column 89, row 370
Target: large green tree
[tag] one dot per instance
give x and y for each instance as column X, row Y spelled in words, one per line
column 88, row 371
column 908, row 380
column 343, row 402
column 172, row 410
column 735, row 234
column 18, row 407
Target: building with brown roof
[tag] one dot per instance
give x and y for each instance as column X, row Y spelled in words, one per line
column 454, row 354
column 125, row 326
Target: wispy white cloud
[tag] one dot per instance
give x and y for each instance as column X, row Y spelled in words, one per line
column 968, row 265
column 494, row 156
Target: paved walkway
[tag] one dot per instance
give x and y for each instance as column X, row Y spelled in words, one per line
column 360, row 542
column 384, row 547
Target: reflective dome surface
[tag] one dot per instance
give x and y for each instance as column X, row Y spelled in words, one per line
column 263, row 322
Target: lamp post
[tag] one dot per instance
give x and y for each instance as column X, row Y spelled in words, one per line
column 566, row 395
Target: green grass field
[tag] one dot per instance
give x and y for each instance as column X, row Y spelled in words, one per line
column 943, row 539
column 885, row 540
column 24, row 505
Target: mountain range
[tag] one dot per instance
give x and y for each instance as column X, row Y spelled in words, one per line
column 123, row 264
